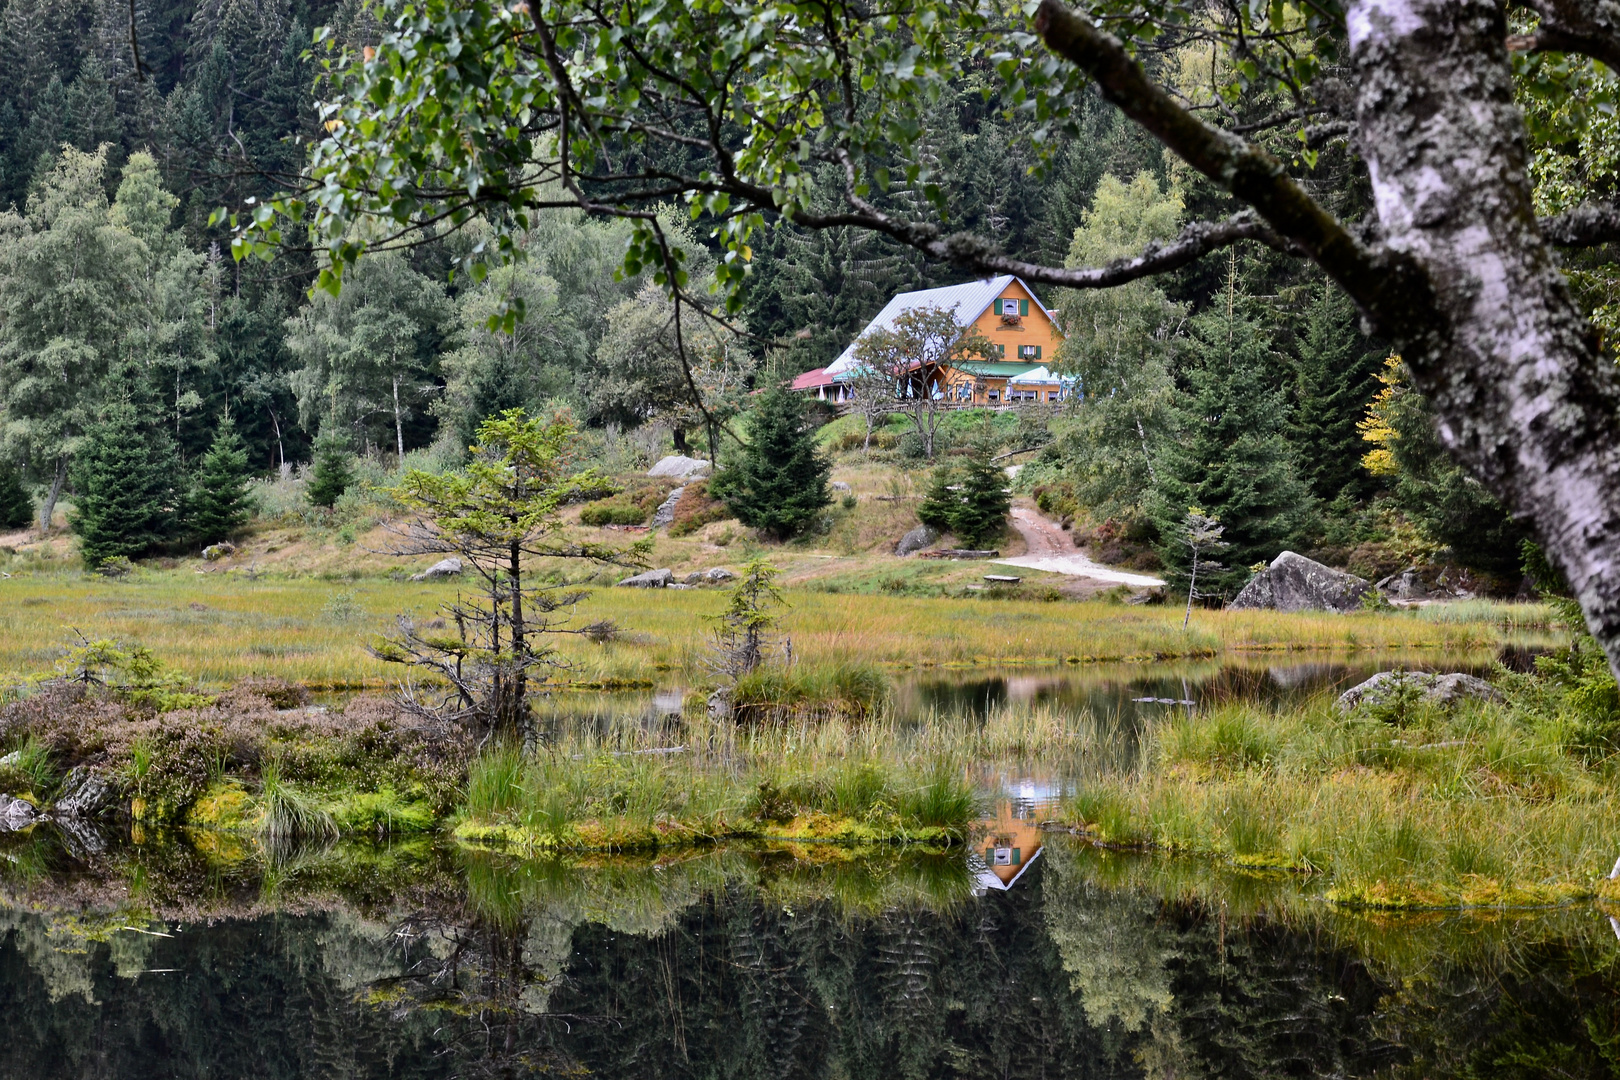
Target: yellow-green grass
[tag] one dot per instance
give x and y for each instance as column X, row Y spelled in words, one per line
column 703, row 780
column 218, row 628
column 1478, row 806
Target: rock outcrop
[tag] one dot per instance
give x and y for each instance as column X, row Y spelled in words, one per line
column 84, row 794
column 713, row 576
column 666, row 509
column 915, row 540
column 1436, row 689
column 680, row 467
column 1294, row 583
column 649, row 579
column 442, row 569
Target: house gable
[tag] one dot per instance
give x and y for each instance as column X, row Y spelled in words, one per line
column 977, row 303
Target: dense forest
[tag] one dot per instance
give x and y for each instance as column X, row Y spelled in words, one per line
column 124, row 316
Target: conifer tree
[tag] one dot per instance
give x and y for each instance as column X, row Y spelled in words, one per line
column 330, row 473
column 981, row 512
column 778, row 483
column 1337, row 375
column 1232, row 458
column 16, row 507
column 220, row 504
column 124, row 479
column 971, row 501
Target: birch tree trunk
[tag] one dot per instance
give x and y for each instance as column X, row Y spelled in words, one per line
column 47, row 509
column 1522, row 396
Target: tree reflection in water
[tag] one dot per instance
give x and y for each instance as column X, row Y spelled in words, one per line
column 418, row 962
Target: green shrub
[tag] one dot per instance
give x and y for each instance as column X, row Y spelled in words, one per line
column 613, row 512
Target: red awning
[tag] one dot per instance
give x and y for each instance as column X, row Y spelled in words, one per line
column 811, row 380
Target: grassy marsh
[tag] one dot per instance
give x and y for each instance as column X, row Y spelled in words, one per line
column 218, row 628
column 1483, row 804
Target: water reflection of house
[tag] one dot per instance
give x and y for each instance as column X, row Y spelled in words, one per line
column 1012, row 842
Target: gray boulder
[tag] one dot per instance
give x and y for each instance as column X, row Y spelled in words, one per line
column 650, row 579
column 841, row 487
column 915, row 540
column 712, row 576
column 1294, row 583
column 1406, row 585
column 666, row 509
column 680, row 467
column 15, row 813
column 1437, row 689
column 719, row 703
column 444, row 568
column 84, row 794
column 215, row 552
column 679, row 585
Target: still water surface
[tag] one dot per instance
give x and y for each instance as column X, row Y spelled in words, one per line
column 771, row 963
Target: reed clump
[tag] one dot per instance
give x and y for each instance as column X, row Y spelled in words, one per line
column 1482, row 803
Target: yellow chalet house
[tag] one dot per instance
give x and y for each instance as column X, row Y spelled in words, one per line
column 1023, row 331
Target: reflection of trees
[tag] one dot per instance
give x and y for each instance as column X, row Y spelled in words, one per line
column 726, row 965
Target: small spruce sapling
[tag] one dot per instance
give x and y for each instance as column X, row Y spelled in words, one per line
column 220, row 502
column 330, row 475
column 743, row 634
column 128, row 501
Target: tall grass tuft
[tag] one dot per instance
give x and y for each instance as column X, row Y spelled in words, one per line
column 289, row 815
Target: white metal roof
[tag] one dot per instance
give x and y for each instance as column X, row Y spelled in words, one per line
column 967, row 301
column 1034, row 375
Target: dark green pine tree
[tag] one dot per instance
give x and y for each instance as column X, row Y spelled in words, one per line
column 778, row 483
column 1233, row 460
column 16, row 507
column 938, row 508
column 982, row 499
column 1337, row 375
column 330, row 475
column 220, row 503
column 126, row 499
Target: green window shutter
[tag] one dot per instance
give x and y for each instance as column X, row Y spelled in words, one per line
column 1023, row 307
column 1037, row 352
column 1018, row 856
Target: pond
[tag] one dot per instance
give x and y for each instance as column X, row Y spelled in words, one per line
column 165, row 960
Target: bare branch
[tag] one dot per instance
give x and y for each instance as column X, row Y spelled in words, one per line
column 1585, row 226
column 1196, row 240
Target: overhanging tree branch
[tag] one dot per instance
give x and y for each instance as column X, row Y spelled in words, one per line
column 1591, row 28
column 1585, row 226
column 1390, row 288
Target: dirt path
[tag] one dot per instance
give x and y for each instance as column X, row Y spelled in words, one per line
column 1051, row 549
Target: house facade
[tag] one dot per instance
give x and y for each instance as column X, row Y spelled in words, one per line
column 1022, row 331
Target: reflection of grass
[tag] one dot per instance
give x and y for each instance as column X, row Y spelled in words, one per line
column 640, row 894
column 218, row 629
column 1479, row 805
